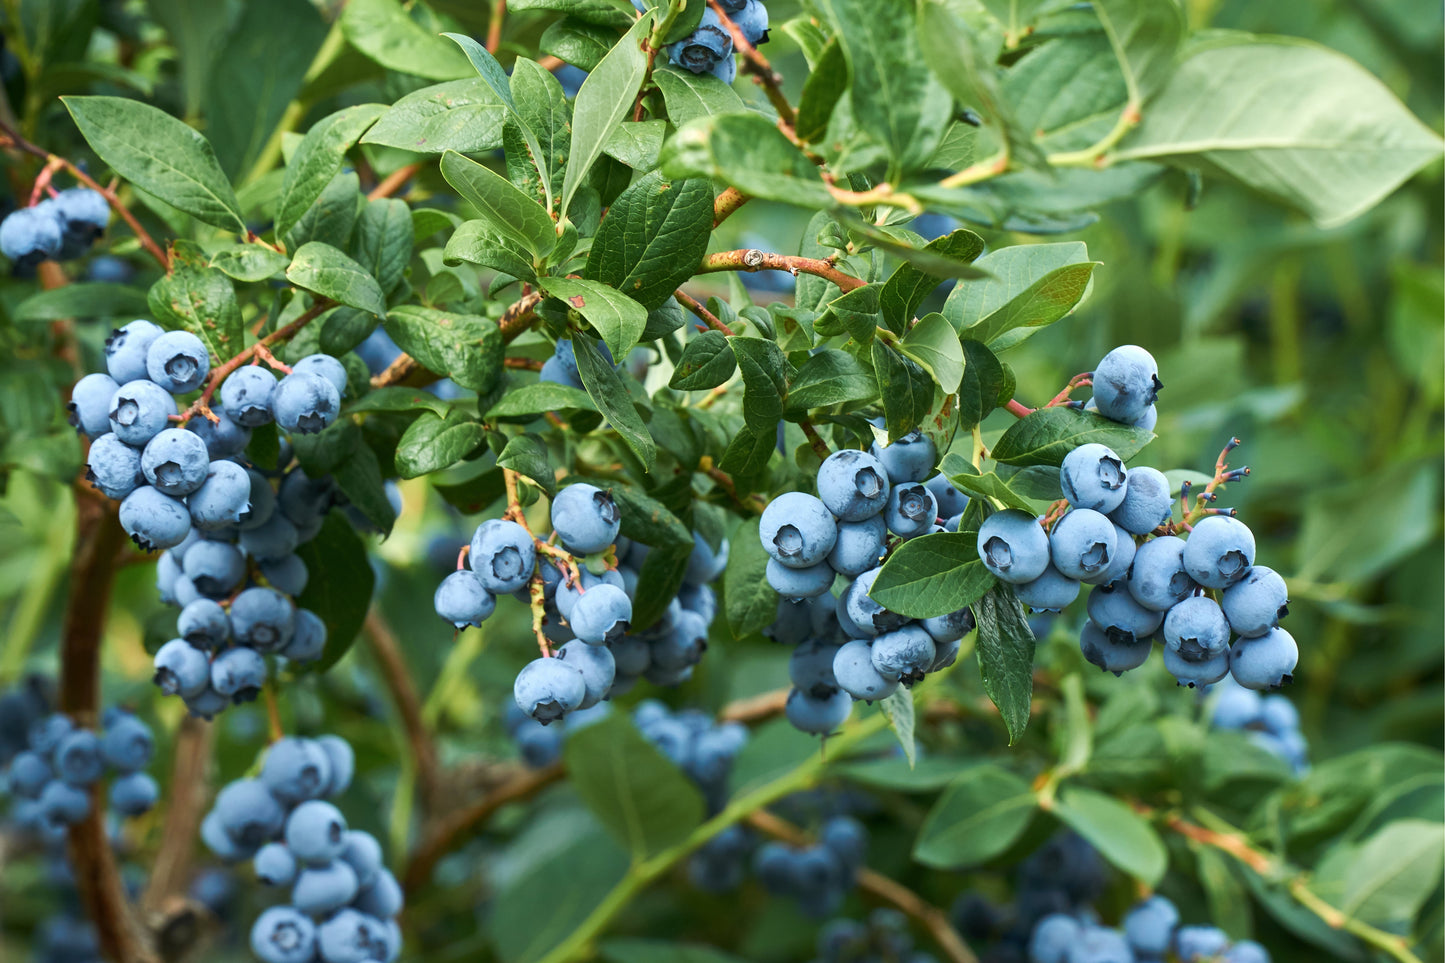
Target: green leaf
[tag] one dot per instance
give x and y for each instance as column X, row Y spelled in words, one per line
column 707, row 361
column 988, row 485
column 331, row 219
column 931, row 774
column 461, row 115
column 475, row 243
column 658, row 582
column 934, row 344
column 507, row 211
column 398, row 399
column 688, row 95
column 383, row 241
column 748, row 452
column 653, row 238
column 531, row 401
column 1386, row 879
column 249, row 262
column 642, row 799
column 196, row 297
column 908, row 285
column 898, row 707
column 542, row 112
column 527, row 455
column 577, row 42
column 615, row 316
column 359, row 478
column 1032, row 286
column 749, row 152
column 637, row 143
column 1145, row 35
column 661, row 951
column 339, row 584
column 1005, row 655
column 318, row 159
column 464, row 347
column 825, row 86
column 937, row 262
column 433, row 443
column 907, row 392
column 567, row 868
column 603, row 13
column 984, row 387
column 196, row 36
column 160, row 155
column 1119, row 834
column 830, row 377
column 1299, row 122
column 749, row 601
column 1047, row 435
column 606, row 96
column 382, row 30
column 647, row 520
column 606, row 387
column 933, row 575
column 320, row 454
column 765, row 381
column 322, row 269
column 83, row 301
column 981, row 814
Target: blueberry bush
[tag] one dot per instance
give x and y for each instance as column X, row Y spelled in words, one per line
column 748, row 480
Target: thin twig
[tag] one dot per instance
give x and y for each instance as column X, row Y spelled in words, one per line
column 756, row 708
column 695, row 306
column 757, row 65
column 494, row 25
column 392, row 182
column 1017, row 409
column 727, row 202
column 751, row 259
column 820, row 447
column 397, row 679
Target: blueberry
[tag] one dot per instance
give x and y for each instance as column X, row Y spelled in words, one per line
column 907, row 459
column 1052, row 937
column 1082, row 544
column 325, row 366
column 503, row 555
column 248, row 812
column 1013, row 546
column 1149, row 926
column 752, row 19
column 1050, row 592
column 1246, row 951
column 865, row 614
column 1196, row 629
column 548, row 689
column 178, row 361
column 1122, row 618
column 951, row 501
column 223, row 439
column 219, row 841
column 859, row 546
column 140, row 410
column 351, row 937
column 238, row 673
column 382, row 898
column 273, row 539
column 905, row 653
column 283, row 935
column 133, row 794
column 31, row 234
column 110, row 269
column 951, row 627
column 601, row 615
column 1278, row 715
column 1092, row 476
column 1147, row 503
column 1194, row 944
column 793, row 622
column 555, row 371
column 182, row 669
column 911, row 510
column 78, row 759
column 126, row 348
column 262, row 503
column 810, row 667
column 726, row 70
column 853, row 485
column 1157, row 579
column 801, row 583
column 340, row 759
column 1126, row 383
column 798, row 530
column 597, row 665
column 296, row 770
column 84, row 214
column 1265, row 662
column 247, row 394
column 89, row 404
column 682, row 646
column 818, row 714
column 1116, row 653
column 275, row 865
column 45, row 733
column 29, row 772
column 222, row 498
column 63, row 804
column 1255, row 603
column 699, row 52
column 633, row 656
column 1196, row 674
column 856, row 675
column 207, row 704
column 204, row 624
column 316, row 832
column 1095, row 944
column 1236, row 707
column 286, row 574
column 305, row 403
column 215, row 568
column 1219, row 552
column 1149, row 419
column 1118, row 567
column 114, row 467
column 362, row 853
column 698, row 598
column 703, row 565
column 842, row 939
column 585, row 518
column 462, row 600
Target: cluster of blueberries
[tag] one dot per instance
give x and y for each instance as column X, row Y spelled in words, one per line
column 818, row 876
column 1149, row 931
column 849, row 646
column 541, row 745
column 62, row 227
column 709, row 48
column 344, row 901
column 883, row 938
column 1191, row 593
column 1271, row 721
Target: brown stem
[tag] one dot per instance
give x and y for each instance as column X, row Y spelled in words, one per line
column 186, row 803
column 757, row 65
column 756, row 708
column 392, row 182
column 695, row 306
column 882, row 887
column 395, row 373
column 753, row 504
column 727, row 202
column 816, row 440
column 750, row 259
column 397, row 678
column 1017, row 409
column 494, row 25
column 522, row 364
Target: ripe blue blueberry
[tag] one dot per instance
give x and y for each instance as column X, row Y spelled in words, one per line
column 801, row 583
column 1149, row 927
column 125, row 350
column 1050, row 592
column 1013, row 546
column 1278, row 714
column 1147, row 503
column 382, row 897
column 296, row 770
column 699, row 52
column 1196, row 674
column 1118, row 567
column 248, row 812
column 1115, row 611
column 281, row 934
column 555, row 371
column 206, row 705
column 178, row 361
column 1052, row 938
column 632, row 655
column 810, row 666
column 215, row 568
column 462, row 600
column 175, row 462
column 362, row 853
column 1254, row 604
column 275, row 865
column 597, row 665
column 351, row 937
column 322, row 889
column 305, row 403
column 286, row 574
column 262, row 503
column 326, row 367
column 703, row 565
column 274, row 538
column 1096, row 944
column 182, row 669
column 798, row 530
column 680, row 647
column 340, row 760
column 856, row 675
column 1092, row 476
column 752, row 19
column 114, row 467
column 859, row 546
column 1116, row 653
column 1246, row 951
column 585, row 518
column 316, row 832
column 866, row 614
column 907, row 459
column 246, row 394
column 950, row 500
column 223, row 439
column 1219, row 552
column 222, row 498
column 1082, row 544
column 77, row 758
column 238, row 674
column 89, row 404
column 503, row 555
column 697, row 598
column 45, row 733
column 905, row 653
column 31, row 234
column 601, row 615
column 1157, row 579
column 911, row 510
column 83, row 214
column 204, row 624
column 818, row 714
column 1265, row 662
column 548, row 689
column 853, row 485
column 1196, row 629
column 127, row 744
column 1126, row 383
column 29, row 772
column 949, row 628
column 140, row 410
column 133, row 794
column 63, row 804
column 1194, row 944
